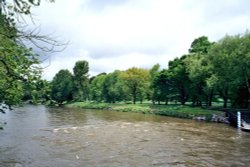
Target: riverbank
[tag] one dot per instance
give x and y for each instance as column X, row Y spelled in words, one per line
column 178, row 111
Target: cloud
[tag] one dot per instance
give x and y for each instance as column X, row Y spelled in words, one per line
column 118, row 34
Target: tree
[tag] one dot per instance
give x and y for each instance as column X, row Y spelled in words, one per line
column 199, row 70
column 153, row 73
column 18, row 7
column 37, row 92
column 162, row 86
column 62, row 86
column 81, row 81
column 96, row 87
column 137, row 82
column 18, row 64
column 242, row 71
column 15, row 12
column 229, row 58
column 221, row 58
column 179, row 77
column 200, row 45
column 113, row 89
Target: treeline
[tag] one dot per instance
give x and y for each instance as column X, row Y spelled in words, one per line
column 210, row 71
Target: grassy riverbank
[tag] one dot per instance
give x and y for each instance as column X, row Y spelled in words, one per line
column 166, row 110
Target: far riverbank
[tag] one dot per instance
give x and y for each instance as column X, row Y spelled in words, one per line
column 172, row 110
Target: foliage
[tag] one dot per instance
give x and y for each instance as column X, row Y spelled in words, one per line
column 96, row 88
column 166, row 110
column 153, row 73
column 18, row 64
column 137, row 82
column 199, row 71
column 81, row 81
column 162, row 86
column 229, row 58
column 38, row 92
column 178, row 75
column 200, row 45
column 113, row 89
column 62, row 86
column 210, row 71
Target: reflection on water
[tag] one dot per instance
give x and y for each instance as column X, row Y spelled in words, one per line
column 40, row 136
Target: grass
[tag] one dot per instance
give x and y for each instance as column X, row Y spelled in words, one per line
column 173, row 110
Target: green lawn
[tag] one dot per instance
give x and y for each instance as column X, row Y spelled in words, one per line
column 173, row 110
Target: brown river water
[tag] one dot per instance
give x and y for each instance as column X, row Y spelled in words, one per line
column 37, row 136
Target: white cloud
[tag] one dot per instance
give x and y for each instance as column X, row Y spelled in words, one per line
column 124, row 33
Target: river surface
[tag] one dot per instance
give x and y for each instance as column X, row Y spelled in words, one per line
column 37, row 136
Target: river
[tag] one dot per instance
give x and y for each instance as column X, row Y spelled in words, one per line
column 37, row 136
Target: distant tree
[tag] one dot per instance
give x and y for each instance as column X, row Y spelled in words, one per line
column 81, row 81
column 96, row 88
column 178, row 75
column 62, row 86
column 221, row 56
column 36, row 92
column 229, row 58
column 113, row 89
column 153, row 73
column 199, row 70
column 162, row 86
column 200, row 45
column 242, row 72
column 137, row 82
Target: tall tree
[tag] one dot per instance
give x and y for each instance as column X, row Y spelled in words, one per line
column 162, row 86
column 231, row 69
column 200, row 45
column 137, row 82
column 221, row 56
column 242, row 71
column 17, row 64
column 153, row 73
column 62, row 86
column 113, row 89
column 179, row 77
column 96, row 88
column 199, row 71
column 81, row 80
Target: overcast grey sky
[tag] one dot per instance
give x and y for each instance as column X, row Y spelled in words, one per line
column 119, row 34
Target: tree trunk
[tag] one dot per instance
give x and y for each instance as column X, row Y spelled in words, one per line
column 134, row 100
column 225, row 99
column 134, row 94
column 183, row 95
column 210, row 98
column 194, row 101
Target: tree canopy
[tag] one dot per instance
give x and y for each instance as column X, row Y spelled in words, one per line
column 62, row 86
column 210, row 72
column 81, row 80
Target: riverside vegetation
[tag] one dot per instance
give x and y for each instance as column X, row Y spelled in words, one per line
column 208, row 73
column 172, row 110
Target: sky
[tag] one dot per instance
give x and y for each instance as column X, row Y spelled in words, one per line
column 119, row 34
